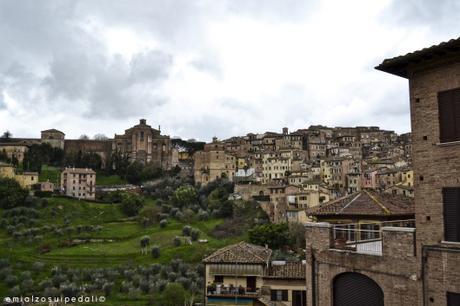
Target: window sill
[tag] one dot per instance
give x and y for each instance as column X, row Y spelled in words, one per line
column 447, row 144
column 451, row 243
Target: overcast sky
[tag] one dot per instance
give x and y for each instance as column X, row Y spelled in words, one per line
column 203, row 68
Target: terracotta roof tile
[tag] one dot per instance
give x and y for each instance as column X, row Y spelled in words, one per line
column 294, row 270
column 242, row 252
column 366, row 203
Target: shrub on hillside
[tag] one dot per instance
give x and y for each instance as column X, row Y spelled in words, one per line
column 177, row 242
column 156, row 253
column 131, row 203
column 195, row 234
column 186, row 230
column 11, row 193
column 145, row 241
column 10, row 280
column 163, row 223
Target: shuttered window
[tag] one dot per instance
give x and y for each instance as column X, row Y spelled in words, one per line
column 451, row 212
column 449, row 115
column 453, row 299
column 279, row 295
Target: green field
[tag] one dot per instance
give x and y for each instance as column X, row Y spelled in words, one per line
column 49, row 173
column 116, row 244
column 105, row 180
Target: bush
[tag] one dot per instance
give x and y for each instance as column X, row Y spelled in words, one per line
column 174, row 294
column 10, row 280
column 156, row 252
column 107, row 288
column 131, row 203
column 155, row 268
column 145, row 241
column 185, row 196
column 15, row 291
column 172, row 276
column 163, row 223
column 4, row 263
column 43, row 194
column 25, row 275
column 11, row 193
column 6, row 271
column 186, row 230
column 27, row 284
column 162, row 216
column 203, row 215
column 195, row 234
column 177, row 242
column 185, row 282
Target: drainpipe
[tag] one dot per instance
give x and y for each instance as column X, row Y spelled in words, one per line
column 314, row 286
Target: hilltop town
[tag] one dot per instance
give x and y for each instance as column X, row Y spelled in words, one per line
column 318, row 216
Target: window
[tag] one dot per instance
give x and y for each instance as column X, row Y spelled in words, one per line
column 449, row 115
column 451, row 212
column 279, row 295
column 453, row 298
column 218, row 279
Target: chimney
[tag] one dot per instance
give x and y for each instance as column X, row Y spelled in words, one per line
column 143, row 121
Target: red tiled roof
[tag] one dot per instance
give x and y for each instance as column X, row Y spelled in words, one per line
column 366, row 203
column 293, row 270
column 242, row 252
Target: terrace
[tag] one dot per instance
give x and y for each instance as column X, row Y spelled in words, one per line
column 366, row 238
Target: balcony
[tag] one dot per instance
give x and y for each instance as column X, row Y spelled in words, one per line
column 230, row 291
column 365, row 238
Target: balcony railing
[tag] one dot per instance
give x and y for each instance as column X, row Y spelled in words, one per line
column 231, row 291
column 364, row 238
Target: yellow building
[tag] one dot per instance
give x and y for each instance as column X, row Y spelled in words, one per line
column 27, row 179
column 274, row 167
column 243, row 274
column 7, row 170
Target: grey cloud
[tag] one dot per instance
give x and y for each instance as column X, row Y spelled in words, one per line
column 286, row 10
column 49, row 57
column 440, row 16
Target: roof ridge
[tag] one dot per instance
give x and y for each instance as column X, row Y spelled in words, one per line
column 385, row 209
column 357, row 196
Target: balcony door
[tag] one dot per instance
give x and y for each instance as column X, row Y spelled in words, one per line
column 299, row 298
column 251, row 283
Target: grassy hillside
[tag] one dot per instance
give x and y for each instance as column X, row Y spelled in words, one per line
column 104, row 239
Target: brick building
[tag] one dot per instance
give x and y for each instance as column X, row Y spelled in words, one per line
column 146, row 144
column 410, row 268
column 213, row 162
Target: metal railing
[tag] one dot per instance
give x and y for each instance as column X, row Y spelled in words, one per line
column 365, row 238
column 228, row 291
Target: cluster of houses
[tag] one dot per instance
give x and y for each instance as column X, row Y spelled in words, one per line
column 290, row 172
column 371, row 242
